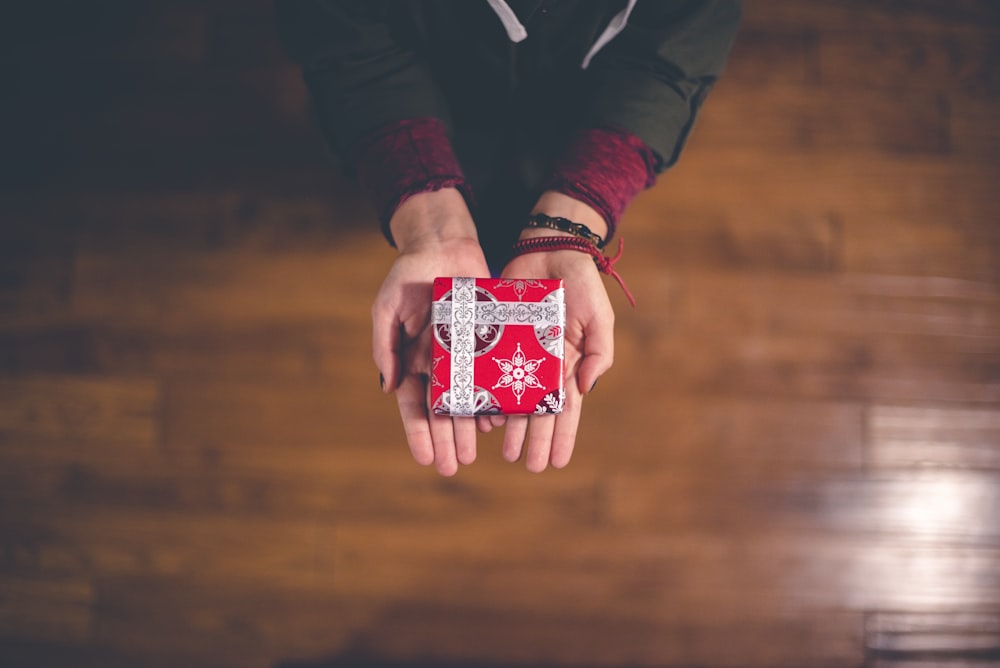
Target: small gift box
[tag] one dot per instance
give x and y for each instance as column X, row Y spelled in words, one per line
column 498, row 346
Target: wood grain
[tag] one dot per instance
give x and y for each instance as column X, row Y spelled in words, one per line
column 921, row 436
column 47, row 608
column 105, row 410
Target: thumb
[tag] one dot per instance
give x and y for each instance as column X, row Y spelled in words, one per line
column 598, row 352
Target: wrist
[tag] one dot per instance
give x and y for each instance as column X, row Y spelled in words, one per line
column 559, row 251
column 430, row 218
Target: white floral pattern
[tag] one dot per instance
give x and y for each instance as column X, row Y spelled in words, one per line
column 518, row 373
column 520, row 285
column 434, row 379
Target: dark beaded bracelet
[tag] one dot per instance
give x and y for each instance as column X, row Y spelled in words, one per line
column 566, row 225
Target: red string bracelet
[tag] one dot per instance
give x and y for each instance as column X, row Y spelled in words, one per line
column 606, row 265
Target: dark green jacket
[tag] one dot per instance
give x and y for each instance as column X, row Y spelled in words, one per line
column 372, row 62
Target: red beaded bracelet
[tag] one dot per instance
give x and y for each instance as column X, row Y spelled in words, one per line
column 606, row 265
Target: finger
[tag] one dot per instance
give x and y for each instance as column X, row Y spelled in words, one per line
column 599, row 351
column 498, row 420
column 564, row 435
column 413, row 411
column 386, row 344
column 513, row 437
column 539, row 442
column 443, row 437
column 484, row 424
column 465, row 439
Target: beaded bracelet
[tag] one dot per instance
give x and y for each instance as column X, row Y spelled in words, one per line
column 566, row 225
column 606, row 265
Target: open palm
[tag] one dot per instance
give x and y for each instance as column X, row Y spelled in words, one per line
column 589, row 339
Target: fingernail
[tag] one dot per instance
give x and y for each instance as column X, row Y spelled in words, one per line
column 592, row 387
column 381, row 382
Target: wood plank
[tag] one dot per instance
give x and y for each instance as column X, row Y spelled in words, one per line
column 972, row 634
column 280, row 350
column 124, row 542
column 936, row 661
column 321, row 482
column 46, row 608
column 284, row 351
column 930, row 59
column 231, row 417
column 662, row 430
column 207, row 220
column 437, row 635
column 973, row 127
column 645, row 576
column 203, row 620
column 120, row 411
column 922, row 436
column 957, row 312
column 940, row 507
column 185, row 288
column 740, row 181
column 50, row 349
column 901, row 247
column 904, row 369
column 961, row 16
column 861, row 337
column 324, row 411
column 58, row 652
column 37, row 287
column 809, row 118
column 768, row 211
column 763, row 56
column 712, row 235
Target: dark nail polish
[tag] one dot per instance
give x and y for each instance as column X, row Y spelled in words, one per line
column 592, row 387
column 381, row 382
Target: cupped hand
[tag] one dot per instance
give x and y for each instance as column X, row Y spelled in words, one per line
column 589, row 352
column 436, row 237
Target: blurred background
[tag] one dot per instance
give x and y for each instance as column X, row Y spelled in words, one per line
column 794, row 462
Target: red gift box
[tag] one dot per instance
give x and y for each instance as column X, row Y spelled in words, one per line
column 498, row 346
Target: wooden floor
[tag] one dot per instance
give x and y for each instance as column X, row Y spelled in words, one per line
column 794, row 462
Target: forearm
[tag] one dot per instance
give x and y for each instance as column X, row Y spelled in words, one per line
column 604, row 169
column 433, row 217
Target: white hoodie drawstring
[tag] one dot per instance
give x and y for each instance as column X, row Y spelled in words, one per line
column 515, row 29
column 517, row 32
column 615, row 26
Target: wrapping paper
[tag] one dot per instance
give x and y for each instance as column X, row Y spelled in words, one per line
column 498, row 346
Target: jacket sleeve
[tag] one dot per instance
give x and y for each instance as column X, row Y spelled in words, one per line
column 651, row 80
column 359, row 76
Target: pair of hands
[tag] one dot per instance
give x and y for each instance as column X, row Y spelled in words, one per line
column 436, row 236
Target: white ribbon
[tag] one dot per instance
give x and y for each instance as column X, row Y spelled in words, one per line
column 463, row 345
column 535, row 314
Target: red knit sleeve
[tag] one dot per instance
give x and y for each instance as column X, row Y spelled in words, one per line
column 605, row 168
column 404, row 158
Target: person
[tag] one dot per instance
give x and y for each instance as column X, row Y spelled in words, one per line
column 465, row 119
